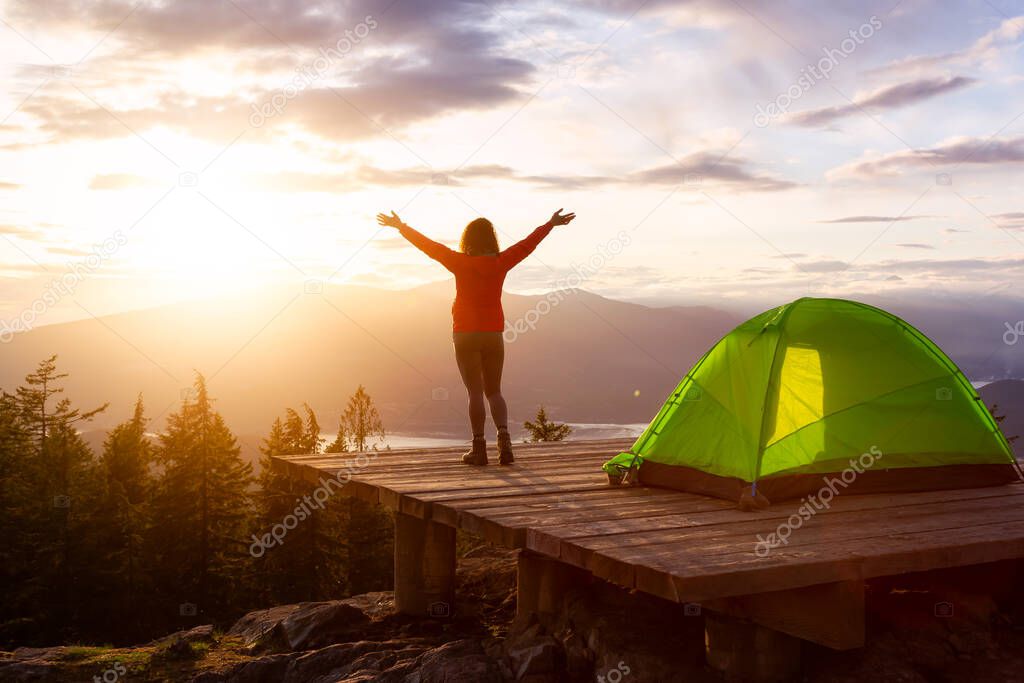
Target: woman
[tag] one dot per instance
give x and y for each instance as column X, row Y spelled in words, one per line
column 480, row 269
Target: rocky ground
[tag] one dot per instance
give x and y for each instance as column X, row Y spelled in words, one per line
column 949, row 626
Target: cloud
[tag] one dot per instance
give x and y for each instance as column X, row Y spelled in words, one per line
column 1013, row 220
column 890, row 97
column 68, row 251
column 962, row 268
column 702, row 166
column 8, row 186
column 985, row 48
column 66, row 114
column 19, row 231
column 824, row 266
column 185, row 26
column 422, row 60
column 960, row 150
column 876, row 219
column 367, row 176
column 701, row 169
column 120, row 181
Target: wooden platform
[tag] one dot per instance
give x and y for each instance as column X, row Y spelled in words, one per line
column 556, row 502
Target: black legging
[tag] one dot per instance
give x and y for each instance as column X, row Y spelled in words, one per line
column 480, row 356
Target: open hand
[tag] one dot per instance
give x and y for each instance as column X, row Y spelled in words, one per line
column 392, row 221
column 557, row 218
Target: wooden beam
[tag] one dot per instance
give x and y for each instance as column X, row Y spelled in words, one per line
column 745, row 651
column 542, row 583
column 424, row 567
column 830, row 614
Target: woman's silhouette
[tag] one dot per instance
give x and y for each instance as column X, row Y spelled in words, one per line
column 480, row 269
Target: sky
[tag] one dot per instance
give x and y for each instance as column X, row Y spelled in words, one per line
column 714, row 151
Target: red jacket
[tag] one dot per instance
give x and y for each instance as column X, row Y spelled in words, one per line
column 478, row 279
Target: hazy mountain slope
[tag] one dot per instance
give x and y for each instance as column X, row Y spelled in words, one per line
column 1008, row 395
column 587, row 358
column 584, row 356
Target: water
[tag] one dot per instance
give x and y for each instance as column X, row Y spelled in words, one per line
column 580, row 430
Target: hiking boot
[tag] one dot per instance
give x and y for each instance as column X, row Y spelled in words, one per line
column 477, row 455
column 505, row 456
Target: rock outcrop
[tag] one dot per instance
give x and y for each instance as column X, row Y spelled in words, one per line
column 955, row 625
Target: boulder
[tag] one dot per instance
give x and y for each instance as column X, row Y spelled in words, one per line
column 31, row 664
column 543, row 656
column 270, row 668
column 460, row 661
column 178, row 645
column 579, row 659
column 305, row 626
column 373, row 605
column 353, row 660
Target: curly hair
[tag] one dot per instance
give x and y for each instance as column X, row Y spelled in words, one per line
column 479, row 238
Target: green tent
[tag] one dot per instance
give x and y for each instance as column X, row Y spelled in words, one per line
column 818, row 389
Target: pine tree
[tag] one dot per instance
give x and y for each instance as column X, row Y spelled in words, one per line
column 313, row 566
column 340, row 443
column 999, row 420
column 361, row 422
column 126, row 462
column 200, row 511
column 370, row 534
column 543, row 429
column 16, row 502
column 63, row 493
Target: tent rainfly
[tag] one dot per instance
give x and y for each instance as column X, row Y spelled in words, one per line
column 815, row 390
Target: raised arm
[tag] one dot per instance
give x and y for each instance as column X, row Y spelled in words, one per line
column 434, row 250
column 523, row 248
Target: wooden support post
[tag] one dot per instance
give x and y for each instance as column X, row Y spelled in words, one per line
column 744, row 651
column 424, row 567
column 542, row 582
column 830, row 614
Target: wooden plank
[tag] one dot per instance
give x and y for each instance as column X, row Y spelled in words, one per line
column 411, row 496
column 600, row 494
column 525, row 447
column 575, row 541
column 513, row 529
column 446, row 458
column 675, row 575
column 455, row 475
column 741, row 540
column 525, row 452
column 890, row 556
column 456, row 469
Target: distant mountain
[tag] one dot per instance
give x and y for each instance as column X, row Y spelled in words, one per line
column 585, row 357
column 1008, row 396
column 978, row 331
column 969, row 329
